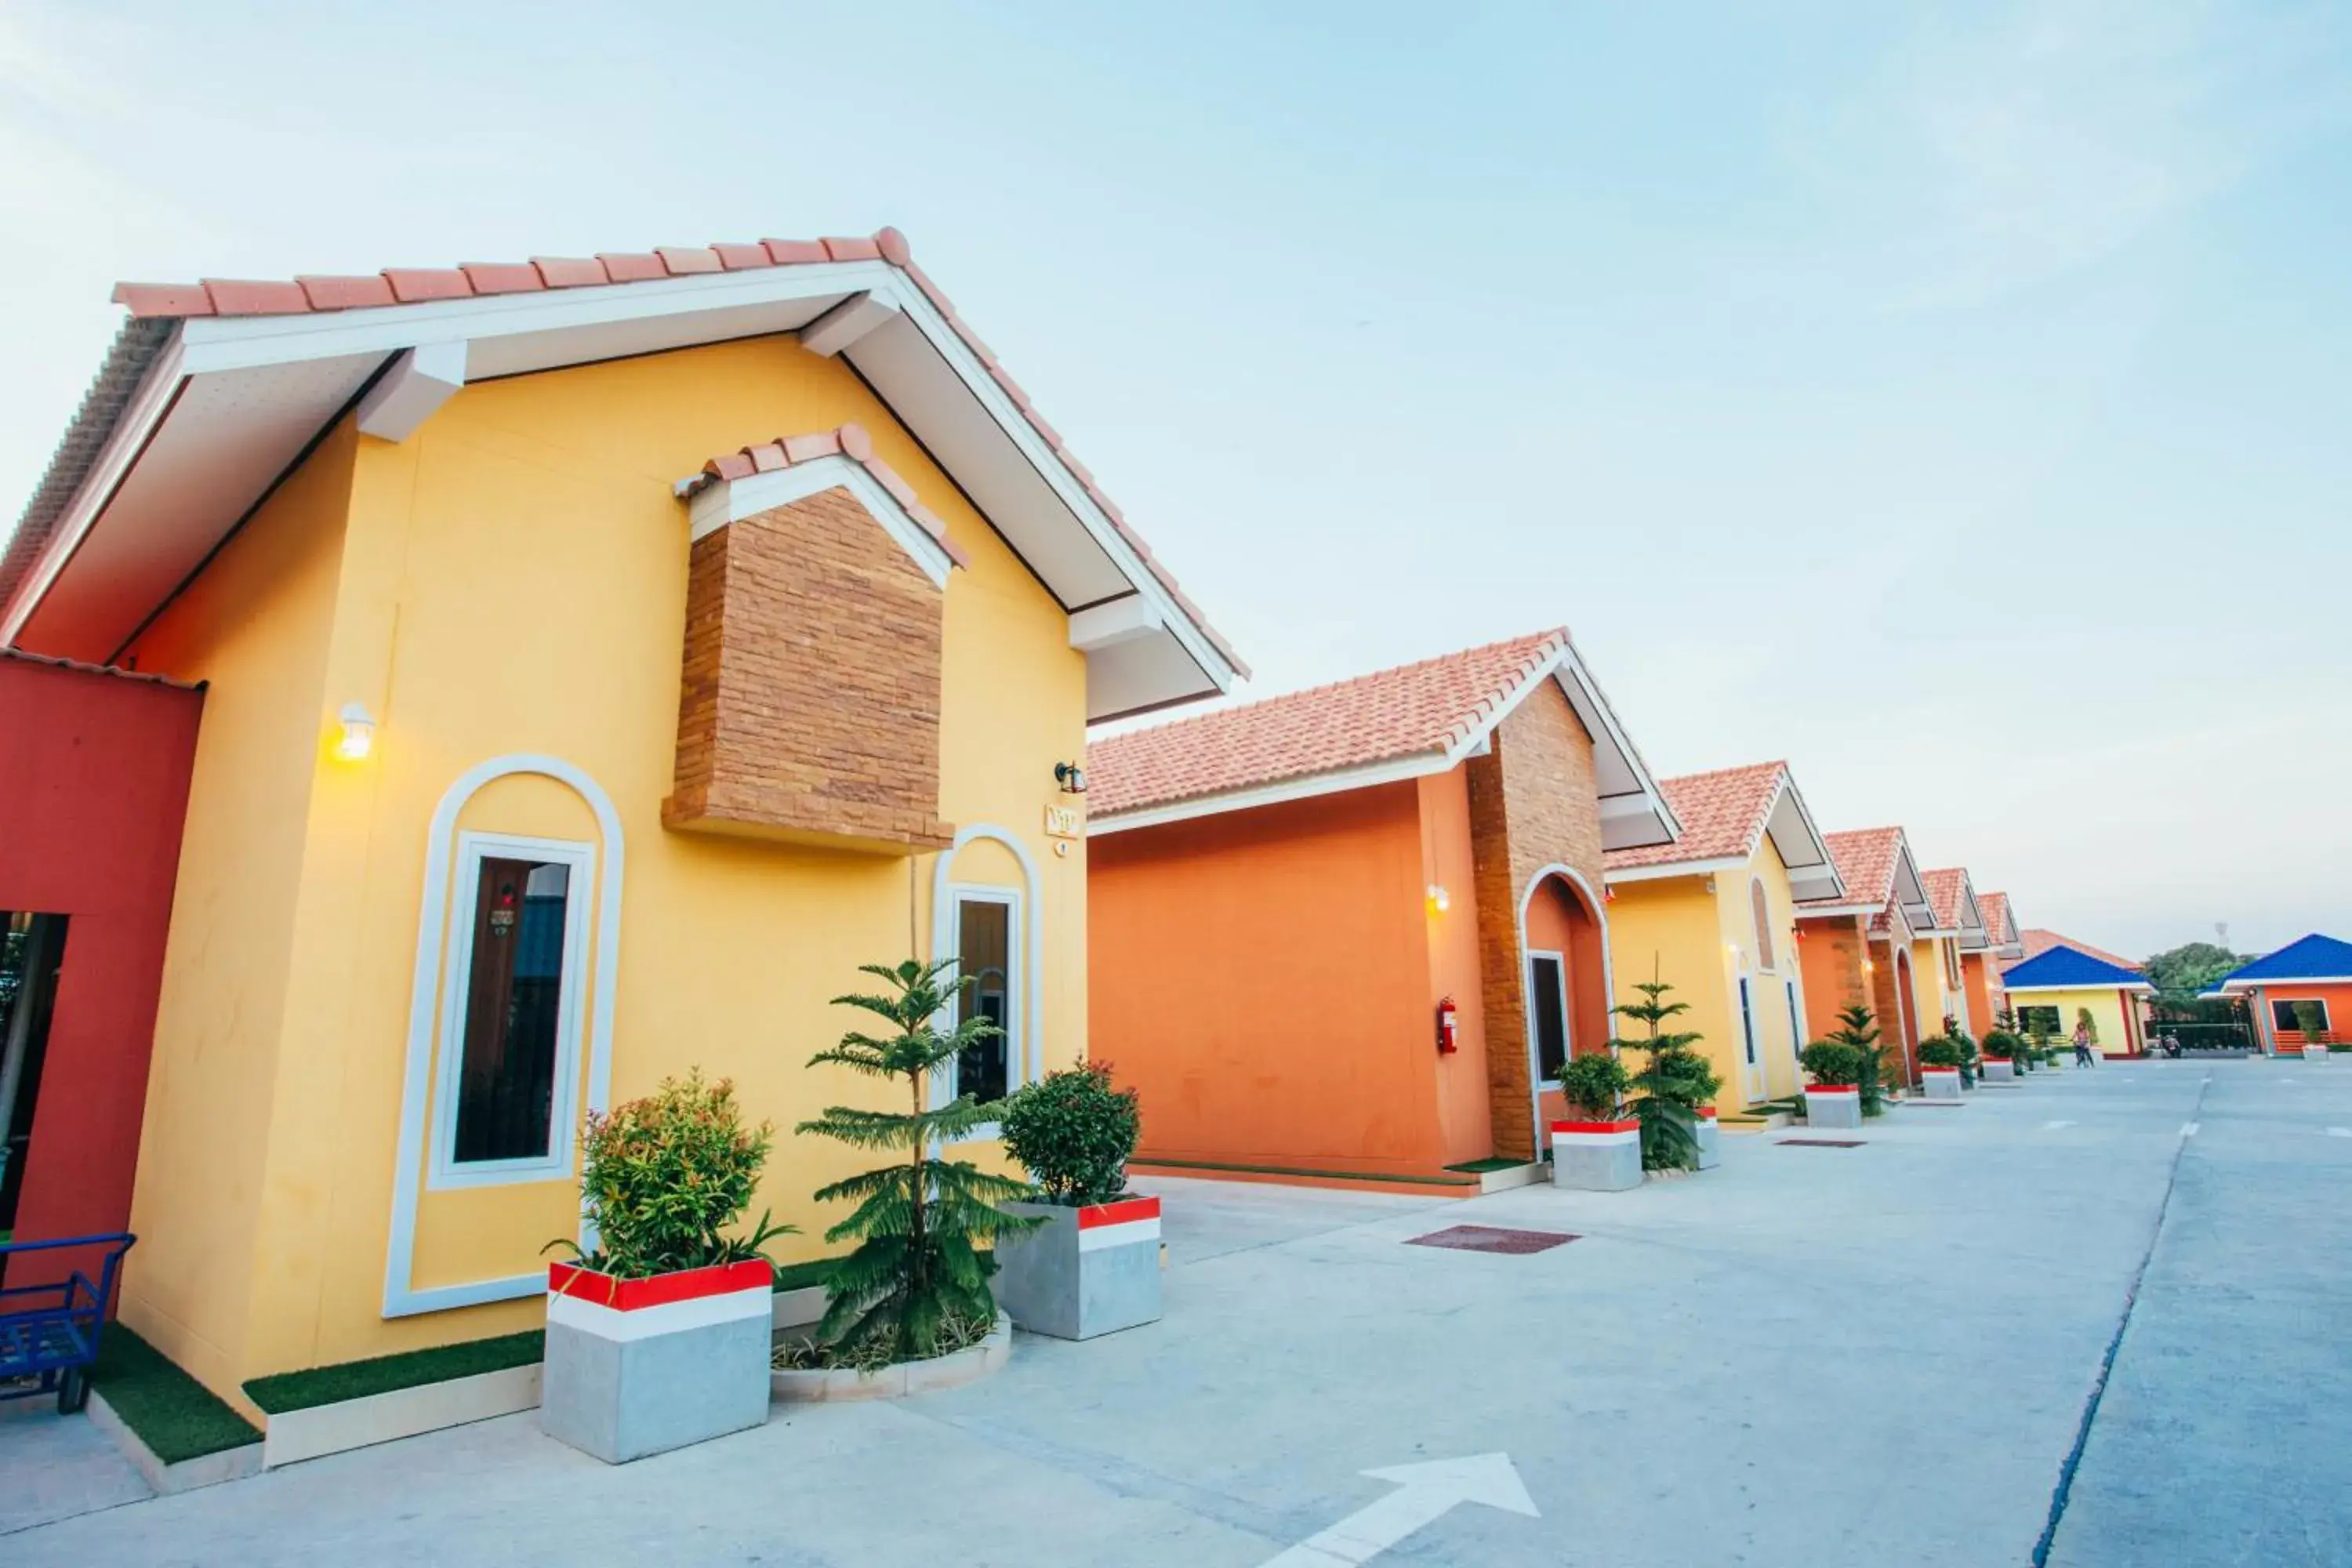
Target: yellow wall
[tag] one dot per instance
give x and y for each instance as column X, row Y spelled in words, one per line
column 2106, row 1008
column 512, row 579
column 1699, row 943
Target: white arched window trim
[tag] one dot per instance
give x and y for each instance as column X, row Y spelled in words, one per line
column 1027, row 1045
column 424, row 1014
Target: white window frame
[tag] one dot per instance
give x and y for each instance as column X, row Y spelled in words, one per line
column 1567, row 1023
column 1017, row 1002
column 446, row 1171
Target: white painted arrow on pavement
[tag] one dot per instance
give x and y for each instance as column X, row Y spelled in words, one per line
column 2188, row 1129
column 1425, row 1493
column 2340, row 1132
column 2054, row 1126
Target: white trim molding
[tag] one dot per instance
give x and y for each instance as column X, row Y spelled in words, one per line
column 731, row 500
column 1598, row 909
column 1028, row 1043
column 401, row 1297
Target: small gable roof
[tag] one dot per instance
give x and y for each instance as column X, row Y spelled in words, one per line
column 1955, row 905
column 1724, row 815
column 2037, row 941
column 2065, row 968
column 2313, row 958
column 1416, row 718
column 2000, row 925
column 213, row 390
column 1880, row 877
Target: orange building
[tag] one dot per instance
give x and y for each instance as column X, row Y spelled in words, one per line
column 1858, row 945
column 1351, row 933
column 2300, row 995
column 2002, row 947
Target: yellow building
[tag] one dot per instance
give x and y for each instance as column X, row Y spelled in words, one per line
column 1940, row 953
column 2065, row 983
column 546, row 753
column 1714, row 915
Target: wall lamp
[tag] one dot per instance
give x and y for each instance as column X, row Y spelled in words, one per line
column 1071, row 776
column 1439, row 902
column 357, row 738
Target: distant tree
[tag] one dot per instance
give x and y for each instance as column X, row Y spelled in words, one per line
column 2181, row 974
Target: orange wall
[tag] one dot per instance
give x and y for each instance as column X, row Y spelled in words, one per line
column 1974, row 972
column 1264, row 978
column 1463, row 1113
column 1831, row 949
column 2340, row 1011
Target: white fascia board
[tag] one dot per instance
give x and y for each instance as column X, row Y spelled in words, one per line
column 1822, row 859
column 133, row 429
column 1119, row 620
column 733, row 500
column 1839, row 912
column 419, row 382
column 2136, row 988
column 951, row 348
column 1570, row 672
column 236, row 343
column 2286, row 983
column 1420, row 765
column 845, row 323
column 1675, row 868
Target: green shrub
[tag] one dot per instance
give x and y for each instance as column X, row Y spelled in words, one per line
column 1834, row 1064
column 662, row 1177
column 1075, row 1133
column 1595, row 1084
column 1858, row 1031
column 1674, row 1079
column 2310, row 1021
column 1943, row 1051
column 2001, row 1045
column 917, row 1270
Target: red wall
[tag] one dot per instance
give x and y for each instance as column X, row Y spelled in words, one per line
column 93, row 788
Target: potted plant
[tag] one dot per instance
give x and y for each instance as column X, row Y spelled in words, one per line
column 1858, row 1028
column 1598, row 1149
column 2311, row 1019
column 1939, row 1068
column 2002, row 1050
column 1971, row 1059
column 915, row 1288
column 1092, row 1266
column 658, row 1336
column 1673, row 1082
column 1834, row 1097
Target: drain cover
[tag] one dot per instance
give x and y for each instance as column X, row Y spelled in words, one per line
column 1819, row 1142
column 1492, row 1238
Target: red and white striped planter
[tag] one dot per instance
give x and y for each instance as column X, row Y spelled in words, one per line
column 638, row 1366
column 1710, row 1139
column 1597, row 1156
column 1084, row 1271
column 1832, row 1105
column 1939, row 1083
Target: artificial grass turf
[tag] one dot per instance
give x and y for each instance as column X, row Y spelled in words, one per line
column 799, row 1275
column 176, row 1417
column 1491, row 1162
column 284, row 1390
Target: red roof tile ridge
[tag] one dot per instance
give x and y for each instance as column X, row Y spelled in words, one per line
column 850, row 442
column 402, row 286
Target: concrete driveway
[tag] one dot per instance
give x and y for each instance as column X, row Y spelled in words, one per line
column 1871, row 1355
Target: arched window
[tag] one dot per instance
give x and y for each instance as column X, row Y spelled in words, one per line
column 1763, row 925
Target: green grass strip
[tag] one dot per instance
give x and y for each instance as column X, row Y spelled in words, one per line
column 317, row 1385
column 1491, row 1162
column 1301, row 1170
column 799, row 1276
column 176, row 1417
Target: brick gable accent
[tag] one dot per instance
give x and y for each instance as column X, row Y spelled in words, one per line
column 1534, row 801
column 809, row 698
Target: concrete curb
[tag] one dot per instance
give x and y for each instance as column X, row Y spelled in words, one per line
column 205, row 1470
column 798, row 1309
column 839, row 1385
column 1503, row 1181
column 293, row 1436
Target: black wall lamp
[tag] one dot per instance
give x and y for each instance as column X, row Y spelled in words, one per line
column 1071, row 777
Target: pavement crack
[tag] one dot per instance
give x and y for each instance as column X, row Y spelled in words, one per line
column 2064, row 1491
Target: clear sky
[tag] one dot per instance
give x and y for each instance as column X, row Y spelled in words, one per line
column 1956, row 401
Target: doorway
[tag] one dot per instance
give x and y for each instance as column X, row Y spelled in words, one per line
column 32, row 948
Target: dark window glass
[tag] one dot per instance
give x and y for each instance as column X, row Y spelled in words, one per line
column 2287, row 1015
column 1551, row 1016
column 2032, row 1021
column 985, row 949
column 506, row 1089
column 1747, row 1021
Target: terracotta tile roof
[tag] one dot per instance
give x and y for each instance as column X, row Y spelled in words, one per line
column 1944, row 895
column 1723, row 814
column 1865, row 859
column 2038, row 941
column 402, row 286
column 1430, row 707
column 1994, row 906
column 849, row 441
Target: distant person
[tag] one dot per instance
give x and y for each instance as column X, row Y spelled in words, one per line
column 2082, row 1056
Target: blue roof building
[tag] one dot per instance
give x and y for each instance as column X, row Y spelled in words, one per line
column 2300, row 997
column 2062, row 988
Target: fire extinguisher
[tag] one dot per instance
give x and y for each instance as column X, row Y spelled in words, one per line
column 1447, row 1023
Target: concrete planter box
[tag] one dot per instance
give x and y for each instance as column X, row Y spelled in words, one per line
column 293, row 1436
column 1941, row 1083
column 1597, row 1156
column 640, row 1366
column 2000, row 1069
column 1710, row 1139
column 1086, row 1271
column 834, row 1385
column 1832, row 1105
column 2315, row 1053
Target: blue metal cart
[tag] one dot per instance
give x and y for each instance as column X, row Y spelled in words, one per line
column 48, row 1334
